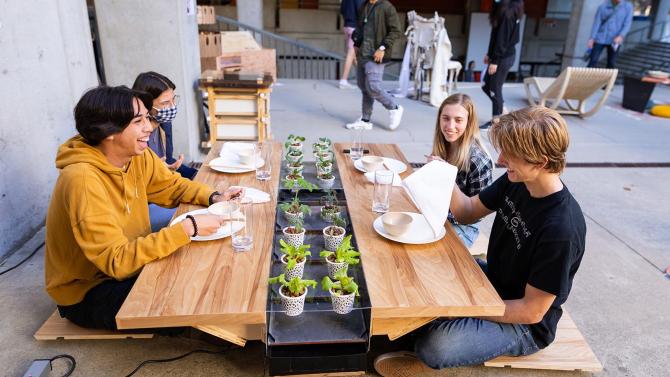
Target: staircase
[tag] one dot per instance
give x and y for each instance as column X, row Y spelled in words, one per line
column 641, row 58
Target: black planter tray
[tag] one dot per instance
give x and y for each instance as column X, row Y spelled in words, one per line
column 313, row 223
column 309, row 174
column 317, row 328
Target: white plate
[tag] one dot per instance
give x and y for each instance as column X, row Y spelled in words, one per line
column 223, row 232
column 393, row 164
column 227, row 166
column 418, row 233
column 659, row 74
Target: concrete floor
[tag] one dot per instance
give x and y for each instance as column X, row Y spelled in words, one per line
column 620, row 298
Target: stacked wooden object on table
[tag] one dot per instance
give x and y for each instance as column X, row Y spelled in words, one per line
column 205, row 15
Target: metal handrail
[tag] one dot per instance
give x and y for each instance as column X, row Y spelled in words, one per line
column 647, row 28
column 294, row 59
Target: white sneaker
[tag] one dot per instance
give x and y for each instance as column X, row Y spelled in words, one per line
column 344, row 84
column 395, row 116
column 359, row 124
column 505, row 110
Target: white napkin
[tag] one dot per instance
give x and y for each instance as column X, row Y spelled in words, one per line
column 256, row 195
column 397, row 181
column 230, row 154
column 430, row 189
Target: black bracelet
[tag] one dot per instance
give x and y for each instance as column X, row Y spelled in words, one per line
column 195, row 225
column 211, row 197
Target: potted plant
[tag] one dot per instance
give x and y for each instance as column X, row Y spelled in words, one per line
column 342, row 291
column 324, row 142
column 292, row 178
column 323, row 155
column 334, row 234
column 324, row 166
column 294, row 234
column 325, row 180
column 294, row 142
column 296, row 166
column 329, row 207
column 292, row 293
column 316, row 147
column 341, row 258
column 294, row 208
column 294, row 258
column 294, row 155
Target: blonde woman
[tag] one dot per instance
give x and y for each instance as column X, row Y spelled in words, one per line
column 457, row 142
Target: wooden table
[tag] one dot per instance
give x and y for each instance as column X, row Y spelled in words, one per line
column 207, row 286
column 410, row 285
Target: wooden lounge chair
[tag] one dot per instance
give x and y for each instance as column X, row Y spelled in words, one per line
column 573, row 84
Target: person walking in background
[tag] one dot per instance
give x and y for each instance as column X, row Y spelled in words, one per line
column 349, row 11
column 377, row 29
column 505, row 21
column 611, row 24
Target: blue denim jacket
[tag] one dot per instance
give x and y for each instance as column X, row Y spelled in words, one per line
column 618, row 24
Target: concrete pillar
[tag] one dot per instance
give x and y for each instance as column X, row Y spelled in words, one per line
column 45, row 65
column 162, row 36
column 579, row 31
column 662, row 8
column 250, row 12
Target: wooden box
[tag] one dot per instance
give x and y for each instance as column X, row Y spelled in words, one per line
column 206, row 15
column 210, row 45
column 252, row 61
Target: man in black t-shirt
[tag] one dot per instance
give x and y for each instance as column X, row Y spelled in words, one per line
column 535, row 248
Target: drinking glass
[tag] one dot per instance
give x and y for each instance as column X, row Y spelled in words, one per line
column 263, row 161
column 382, row 191
column 241, row 226
column 356, row 151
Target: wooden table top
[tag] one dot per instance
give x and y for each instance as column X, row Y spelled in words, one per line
column 432, row 280
column 206, row 283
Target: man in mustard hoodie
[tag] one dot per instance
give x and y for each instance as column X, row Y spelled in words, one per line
column 98, row 234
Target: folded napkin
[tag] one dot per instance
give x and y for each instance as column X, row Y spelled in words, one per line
column 257, row 196
column 229, row 155
column 430, row 189
column 397, row 181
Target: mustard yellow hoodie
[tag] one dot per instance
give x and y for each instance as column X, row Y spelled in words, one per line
column 98, row 219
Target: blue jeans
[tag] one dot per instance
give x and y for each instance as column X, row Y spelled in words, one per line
column 446, row 343
column 160, row 216
column 597, row 50
column 467, row 233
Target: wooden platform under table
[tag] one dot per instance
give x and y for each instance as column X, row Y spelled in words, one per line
column 205, row 284
column 410, row 285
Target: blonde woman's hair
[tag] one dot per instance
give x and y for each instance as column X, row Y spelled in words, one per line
column 532, row 134
column 441, row 147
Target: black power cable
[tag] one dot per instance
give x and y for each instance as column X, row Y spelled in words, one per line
column 23, row 261
column 175, row 358
column 73, row 363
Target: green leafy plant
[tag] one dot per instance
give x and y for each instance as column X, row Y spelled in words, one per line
column 324, row 163
column 345, row 253
column 326, row 176
column 296, row 164
column 293, row 176
column 295, row 287
column 296, row 225
column 338, row 221
column 294, row 140
column 294, row 206
column 294, row 255
column 295, row 153
column 324, row 141
column 344, row 285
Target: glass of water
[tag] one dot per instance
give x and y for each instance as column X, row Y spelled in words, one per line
column 241, row 226
column 382, row 191
column 263, row 160
column 356, row 151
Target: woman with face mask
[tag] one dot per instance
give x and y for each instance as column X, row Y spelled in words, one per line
column 162, row 113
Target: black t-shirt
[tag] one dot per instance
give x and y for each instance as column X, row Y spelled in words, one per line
column 536, row 241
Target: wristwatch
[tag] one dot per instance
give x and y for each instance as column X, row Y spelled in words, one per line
column 382, row 48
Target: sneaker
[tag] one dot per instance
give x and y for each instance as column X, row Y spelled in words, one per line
column 395, row 115
column 402, row 364
column 359, row 124
column 505, row 110
column 344, row 84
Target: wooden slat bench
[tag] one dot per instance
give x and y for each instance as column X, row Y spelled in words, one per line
column 56, row 328
column 569, row 351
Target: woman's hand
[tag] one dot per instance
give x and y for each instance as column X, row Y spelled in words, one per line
column 492, row 69
column 430, row 158
column 207, row 224
column 378, row 56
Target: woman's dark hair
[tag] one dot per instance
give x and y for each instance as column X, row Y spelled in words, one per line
column 153, row 83
column 105, row 111
column 506, row 8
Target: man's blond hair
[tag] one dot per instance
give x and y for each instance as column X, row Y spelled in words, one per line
column 532, row 134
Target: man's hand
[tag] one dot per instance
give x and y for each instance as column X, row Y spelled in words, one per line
column 493, row 68
column 486, row 60
column 590, row 43
column 618, row 40
column 378, row 56
column 175, row 165
column 207, row 224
